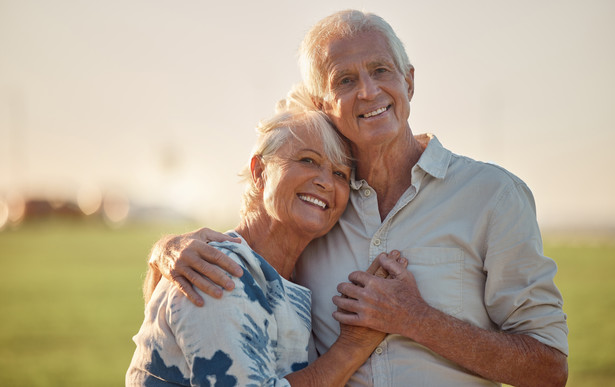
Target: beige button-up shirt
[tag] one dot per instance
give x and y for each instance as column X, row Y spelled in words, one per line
column 470, row 234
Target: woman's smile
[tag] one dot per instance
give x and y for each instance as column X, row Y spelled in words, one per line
column 313, row 200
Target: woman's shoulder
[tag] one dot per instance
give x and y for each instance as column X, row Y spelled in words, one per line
column 260, row 282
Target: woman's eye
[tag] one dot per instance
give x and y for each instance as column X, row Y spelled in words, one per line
column 307, row 160
column 340, row 174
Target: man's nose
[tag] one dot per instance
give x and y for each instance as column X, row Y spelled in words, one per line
column 368, row 88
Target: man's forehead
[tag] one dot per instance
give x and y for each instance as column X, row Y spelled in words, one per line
column 365, row 48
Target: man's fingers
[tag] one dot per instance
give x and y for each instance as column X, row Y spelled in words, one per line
column 346, row 318
column 217, row 258
column 345, row 304
column 209, row 235
column 350, row 290
column 360, row 278
column 185, row 287
column 205, row 284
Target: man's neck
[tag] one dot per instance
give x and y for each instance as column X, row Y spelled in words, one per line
column 388, row 170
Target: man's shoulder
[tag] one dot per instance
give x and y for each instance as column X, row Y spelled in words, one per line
column 487, row 170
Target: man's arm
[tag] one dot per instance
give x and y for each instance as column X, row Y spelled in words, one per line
column 395, row 305
column 188, row 260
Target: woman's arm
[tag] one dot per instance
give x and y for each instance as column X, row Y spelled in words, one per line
column 238, row 346
column 351, row 349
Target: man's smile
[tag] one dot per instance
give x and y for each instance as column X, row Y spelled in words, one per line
column 375, row 112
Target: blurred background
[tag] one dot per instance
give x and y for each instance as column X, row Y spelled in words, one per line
column 124, row 120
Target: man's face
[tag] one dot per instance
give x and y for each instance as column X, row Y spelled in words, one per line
column 367, row 98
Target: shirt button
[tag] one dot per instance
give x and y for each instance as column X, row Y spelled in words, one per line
column 378, row 351
column 376, row 242
column 367, row 192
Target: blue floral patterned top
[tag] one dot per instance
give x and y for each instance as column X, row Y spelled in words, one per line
column 253, row 336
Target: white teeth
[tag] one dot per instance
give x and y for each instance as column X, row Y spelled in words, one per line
column 310, row 199
column 375, row 112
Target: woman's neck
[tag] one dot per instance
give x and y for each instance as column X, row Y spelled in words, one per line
column 278, row 244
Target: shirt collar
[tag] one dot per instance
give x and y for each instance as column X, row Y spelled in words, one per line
column 434, row 160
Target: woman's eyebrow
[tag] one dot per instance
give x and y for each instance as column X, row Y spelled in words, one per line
column 310, row 150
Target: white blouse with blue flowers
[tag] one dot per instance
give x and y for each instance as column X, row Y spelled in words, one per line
column 253, row 336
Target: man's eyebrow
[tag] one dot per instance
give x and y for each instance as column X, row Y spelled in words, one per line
column 381, row 61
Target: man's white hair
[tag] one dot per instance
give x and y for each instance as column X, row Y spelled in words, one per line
column 343, row 25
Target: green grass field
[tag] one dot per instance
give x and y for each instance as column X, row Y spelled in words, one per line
column 70, row 301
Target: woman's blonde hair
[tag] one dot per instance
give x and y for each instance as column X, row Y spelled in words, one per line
column 296, row 111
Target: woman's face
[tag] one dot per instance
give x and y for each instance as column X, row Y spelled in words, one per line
column 303, row 189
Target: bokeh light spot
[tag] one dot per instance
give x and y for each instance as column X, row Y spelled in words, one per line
column 89, row 199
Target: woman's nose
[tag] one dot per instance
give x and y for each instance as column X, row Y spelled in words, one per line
column 324, row 179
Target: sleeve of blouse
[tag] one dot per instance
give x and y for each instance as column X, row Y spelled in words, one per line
column 226, row 342
column 520, row 294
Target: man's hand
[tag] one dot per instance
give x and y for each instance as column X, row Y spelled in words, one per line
column 395, row 305
column 375, row 302
column 360, row 335
column 187, row 260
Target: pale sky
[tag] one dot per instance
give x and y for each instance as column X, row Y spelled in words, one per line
column 159, row 99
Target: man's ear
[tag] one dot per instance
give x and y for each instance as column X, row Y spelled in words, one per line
column 410, row 81
column 257, row 170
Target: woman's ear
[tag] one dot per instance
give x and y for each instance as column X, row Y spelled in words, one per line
column 257, row 170
column 317, row 101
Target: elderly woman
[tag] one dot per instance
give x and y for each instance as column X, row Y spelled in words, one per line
column 297, row 188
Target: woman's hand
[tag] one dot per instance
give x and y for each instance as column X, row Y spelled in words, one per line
column 187, row 260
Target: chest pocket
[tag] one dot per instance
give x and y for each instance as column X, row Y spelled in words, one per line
column 439, row 276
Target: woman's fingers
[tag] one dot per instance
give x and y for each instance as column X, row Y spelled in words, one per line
column 394, row 263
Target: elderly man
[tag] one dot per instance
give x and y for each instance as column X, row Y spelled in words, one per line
column 477, row 304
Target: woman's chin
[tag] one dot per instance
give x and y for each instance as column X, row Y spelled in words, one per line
column 316, row 230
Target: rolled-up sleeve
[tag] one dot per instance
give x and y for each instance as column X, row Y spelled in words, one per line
column 520, row 294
